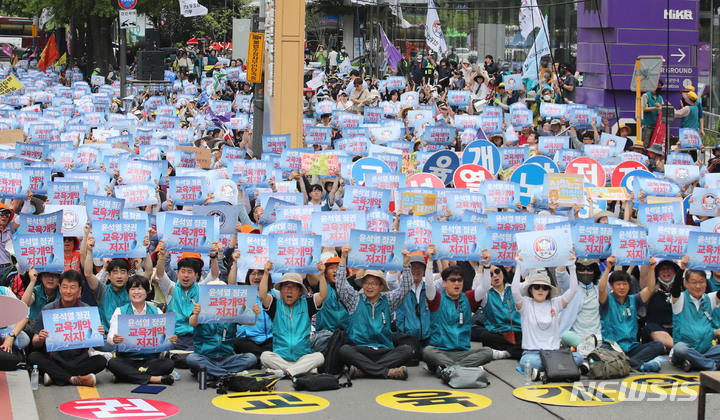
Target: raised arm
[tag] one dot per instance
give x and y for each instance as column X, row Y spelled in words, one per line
column 28, row 297
column 602, row 286
column 572, row 289
column 89, row 265
column 516, row 288
column 347, row 295
column 648, row 291
column 430, row 291
column 232, row 274
column 322, row 293
column 265, row 298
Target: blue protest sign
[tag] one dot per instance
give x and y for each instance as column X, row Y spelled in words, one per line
column 35, row 180
column 119, row 238
column 301, row 213
column 564, row 157
column 299, row 253
column 548, row 248
column 629, row 246
column 254, row 250
column 461, row 201
column 376, row 250
column 368, row 165
column 418, row 232
column 226, row 304
column 11, row 184
column 318, row 135
column 705, row 202
column 187, row 190
column 704, row 251
column 690, row 139
column 458, row 97
column 501, row 245
column 483, row 153
column 284, row 226
column 545, row 162
column 138, row 171
column 473, row 217
column 335, row 226
column 439, row 135
column 379, row 220
column 592, row 240
column 226, row 215
column 660, row 213
column 512, row 156
column 72, row 328
column 47, row 223
column 500, row 194
column 654, row 187
column 628, row 180
column 442, row 164
column 189, row 233
column 146, row 333
column 103, row 208
column 137, row 195
column 527, row 176
column 44, row 252
column 548, row 145
column 458, row 241
column 669, row 241
column 682, row 174
column 514, row 221
column 275, row 143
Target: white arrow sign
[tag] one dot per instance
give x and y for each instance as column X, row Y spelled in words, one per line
column 681, row 55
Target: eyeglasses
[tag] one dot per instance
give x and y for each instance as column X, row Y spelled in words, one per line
column 540, row 287
column 455, row 280
column 372, row 284
column 290, row 286
column 697, row 283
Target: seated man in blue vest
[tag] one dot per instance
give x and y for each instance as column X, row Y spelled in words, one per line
column 618, row 316
column 213, row 346
column 370, row 351
column 451, row 315
column 112, row 296
column 696, row 321
column 333, row 314
column 291, row 315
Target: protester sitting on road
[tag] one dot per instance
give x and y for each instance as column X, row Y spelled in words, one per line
column 659, row 315
column 618, row 314
column 580, row 321
column 133, row 367
column 695, row 315
column 74, row 367
column 333, row 314
column 370, row 350
column 37, row 296
column 291, row 314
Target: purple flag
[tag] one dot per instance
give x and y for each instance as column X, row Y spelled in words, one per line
column 7, row 49
column 392, row 54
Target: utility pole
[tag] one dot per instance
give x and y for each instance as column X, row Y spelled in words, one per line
column 258, row 92
column 122, row 58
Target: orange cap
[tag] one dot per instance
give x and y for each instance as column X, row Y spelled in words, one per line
column 249, row 229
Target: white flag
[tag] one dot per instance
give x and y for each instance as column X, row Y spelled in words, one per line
column 190, row 8
column 345, row 66
column 396, row 10
column 539, row 49
column 433, row 32
column 530, row 17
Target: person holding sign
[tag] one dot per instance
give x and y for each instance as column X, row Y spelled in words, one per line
column 333, row 314
column 75, row 367
column 108, row 298
column 291, row 314
column 619, row 316
column 8, row 227
column 36, row 297
column 213, row 344
column 370, row 351
column 138, row 368
column 14, row 339
column 696, row 320
column 413, row 317
column 540, row 307
column 580, row 321
column 451, row 316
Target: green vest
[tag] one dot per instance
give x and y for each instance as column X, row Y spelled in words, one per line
column 500, row 312
column 128, row 310
column 214, row 340
column 291, row 329
column 620, row 322
column 41, row 300
column 413, row 317
column 112, row 301
column 691, row 120
column 333, row 314
column 450, row 324
column 370, row 324
column 182, row 305
column 692, row 326
column 650, row 117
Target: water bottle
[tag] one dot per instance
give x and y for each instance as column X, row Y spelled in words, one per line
column 175, row 374
column 202, row 377
column 528, row 373
column 34, row 378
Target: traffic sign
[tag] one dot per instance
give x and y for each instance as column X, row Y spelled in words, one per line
column 623, row 169
column 590, row 168
column 256, row 49
column 483, row 153
column 546, row 163
column 368, row 165
column 442, row 164
column 470, row 176
column 528, row 175
column 127, row 4
column 128, row 19
column 425, row 180
column 629, row 178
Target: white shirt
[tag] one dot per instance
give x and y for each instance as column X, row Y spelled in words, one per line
column 540, row 326
column 332, row 58
column 114, row 325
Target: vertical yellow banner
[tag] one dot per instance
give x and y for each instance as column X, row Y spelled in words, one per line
column 256, row 49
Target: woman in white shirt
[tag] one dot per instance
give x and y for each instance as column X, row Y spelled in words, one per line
column 343, row 104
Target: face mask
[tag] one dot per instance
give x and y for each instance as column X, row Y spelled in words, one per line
column 546, row 98
column 667, row 284
column 586, row 278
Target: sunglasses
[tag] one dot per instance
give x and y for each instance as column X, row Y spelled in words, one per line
column 497, row 271
column 455, row 279
column 581, row 267
column 5, row 213
column 541, row 287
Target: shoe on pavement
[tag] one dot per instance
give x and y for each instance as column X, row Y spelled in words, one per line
column 686, row 365
column 167, row 380
column 500, row 354
column 279, row 373
column 398, row 373
column 355, row 372
column 86, row 380
column 650, row 367
column 47, row 380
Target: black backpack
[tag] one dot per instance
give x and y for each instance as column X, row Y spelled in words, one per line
column 319, row 382
column 246, row 382
column 333, row 363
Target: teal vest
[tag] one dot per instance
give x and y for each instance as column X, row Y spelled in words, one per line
column 714, row 284
column 112, row 301
column 650, row 118
column 498, row 310
column 291, row 330
column 620, row 323
column 128, row 310
column 333, row 314
column 692, row 326
column 261, row 331
column 182, row 305
column 412, row 317
column 450, row 324
column 214, row 340
column 691, row 120
column 41, row 300
column 370, row 325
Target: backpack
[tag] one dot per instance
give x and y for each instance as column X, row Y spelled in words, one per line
column 465, row 377
column 608, row 364
column 246, row 382
column 560, row 365
column 333, row 364
column 319, row 382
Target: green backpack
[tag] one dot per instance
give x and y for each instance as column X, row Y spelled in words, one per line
column 608, row 364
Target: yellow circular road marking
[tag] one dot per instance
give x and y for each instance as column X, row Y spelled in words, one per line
column 433, row 401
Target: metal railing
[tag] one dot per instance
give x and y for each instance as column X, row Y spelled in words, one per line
column 712, row 129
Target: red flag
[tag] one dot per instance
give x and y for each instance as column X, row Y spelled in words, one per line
column 49, row 55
